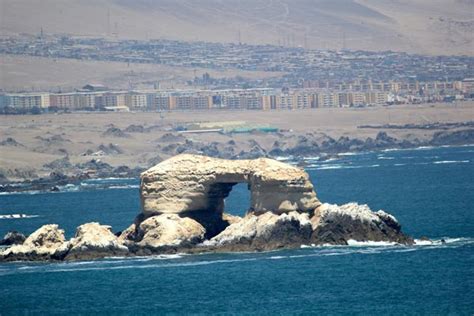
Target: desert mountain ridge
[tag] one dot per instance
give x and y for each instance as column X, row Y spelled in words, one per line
column 435, row 27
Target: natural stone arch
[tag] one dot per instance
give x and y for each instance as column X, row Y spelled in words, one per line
column 191, row 183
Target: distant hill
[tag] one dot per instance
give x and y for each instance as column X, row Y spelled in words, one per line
column 438, row 27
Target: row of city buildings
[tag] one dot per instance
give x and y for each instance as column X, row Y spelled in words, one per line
column 261, row 99
column 314, row 95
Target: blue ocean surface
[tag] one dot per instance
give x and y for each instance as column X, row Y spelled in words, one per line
column 429, row 190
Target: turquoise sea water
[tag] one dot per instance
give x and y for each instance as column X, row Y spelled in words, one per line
column 430, row 191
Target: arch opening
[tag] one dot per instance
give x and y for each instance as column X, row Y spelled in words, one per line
column 237, row 201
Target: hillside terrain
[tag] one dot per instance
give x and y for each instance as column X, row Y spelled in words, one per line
column 438, row 27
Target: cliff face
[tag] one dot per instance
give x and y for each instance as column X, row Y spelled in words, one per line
column 183, row 210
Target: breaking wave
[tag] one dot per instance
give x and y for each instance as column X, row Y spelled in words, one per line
column 339, row 166
column 17, row 216
column 450, row 161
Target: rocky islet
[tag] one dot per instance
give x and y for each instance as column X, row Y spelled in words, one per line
column 183, row 211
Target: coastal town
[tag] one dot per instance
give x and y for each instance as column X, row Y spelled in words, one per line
column 96, row 97
column 236, row 157
column 302, row 78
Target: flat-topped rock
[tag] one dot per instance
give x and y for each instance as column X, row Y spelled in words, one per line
column 190, row 183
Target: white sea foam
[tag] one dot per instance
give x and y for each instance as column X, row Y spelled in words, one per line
column 419, row 242
column 108, row 179
column 23, row 192
column 283, row 158
column 338, row 166
column 351, row 154
column 130, row 186
column 278, row 257
column 450, row 161
column 330, row 167
column 352, row 242
column 391, row 149
column 17, row 216
column 424, row 147
column 445, row 242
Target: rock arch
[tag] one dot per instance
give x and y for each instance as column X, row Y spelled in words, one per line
column 187, row 184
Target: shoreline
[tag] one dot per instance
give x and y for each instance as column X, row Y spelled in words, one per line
column 52, row 185
column 83, row 146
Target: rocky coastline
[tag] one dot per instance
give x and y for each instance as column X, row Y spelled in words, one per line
column 183, row 212
column 62, row 171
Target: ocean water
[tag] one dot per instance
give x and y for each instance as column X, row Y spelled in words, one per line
column 429, row 190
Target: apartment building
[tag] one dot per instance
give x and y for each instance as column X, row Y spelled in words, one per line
column 327, row 99
column 136, row 101
column 28, row 100
column 198, row 102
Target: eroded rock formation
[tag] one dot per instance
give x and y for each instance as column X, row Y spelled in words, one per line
column 93, row 240
column 183, row 211
column 162, row 232
column 192, row 183
column 264, row 232
column 333, row 224
column 46, row 243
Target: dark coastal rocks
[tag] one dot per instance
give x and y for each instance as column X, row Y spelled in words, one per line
column 115, row 132
column 154, row 160
column 136, row 129
column 453, row 138
column 59, row 164
column 11, row 142
column 53, row 140
column 110, row 149
column 169, row 137
column 98, row 166
column 13, row 238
